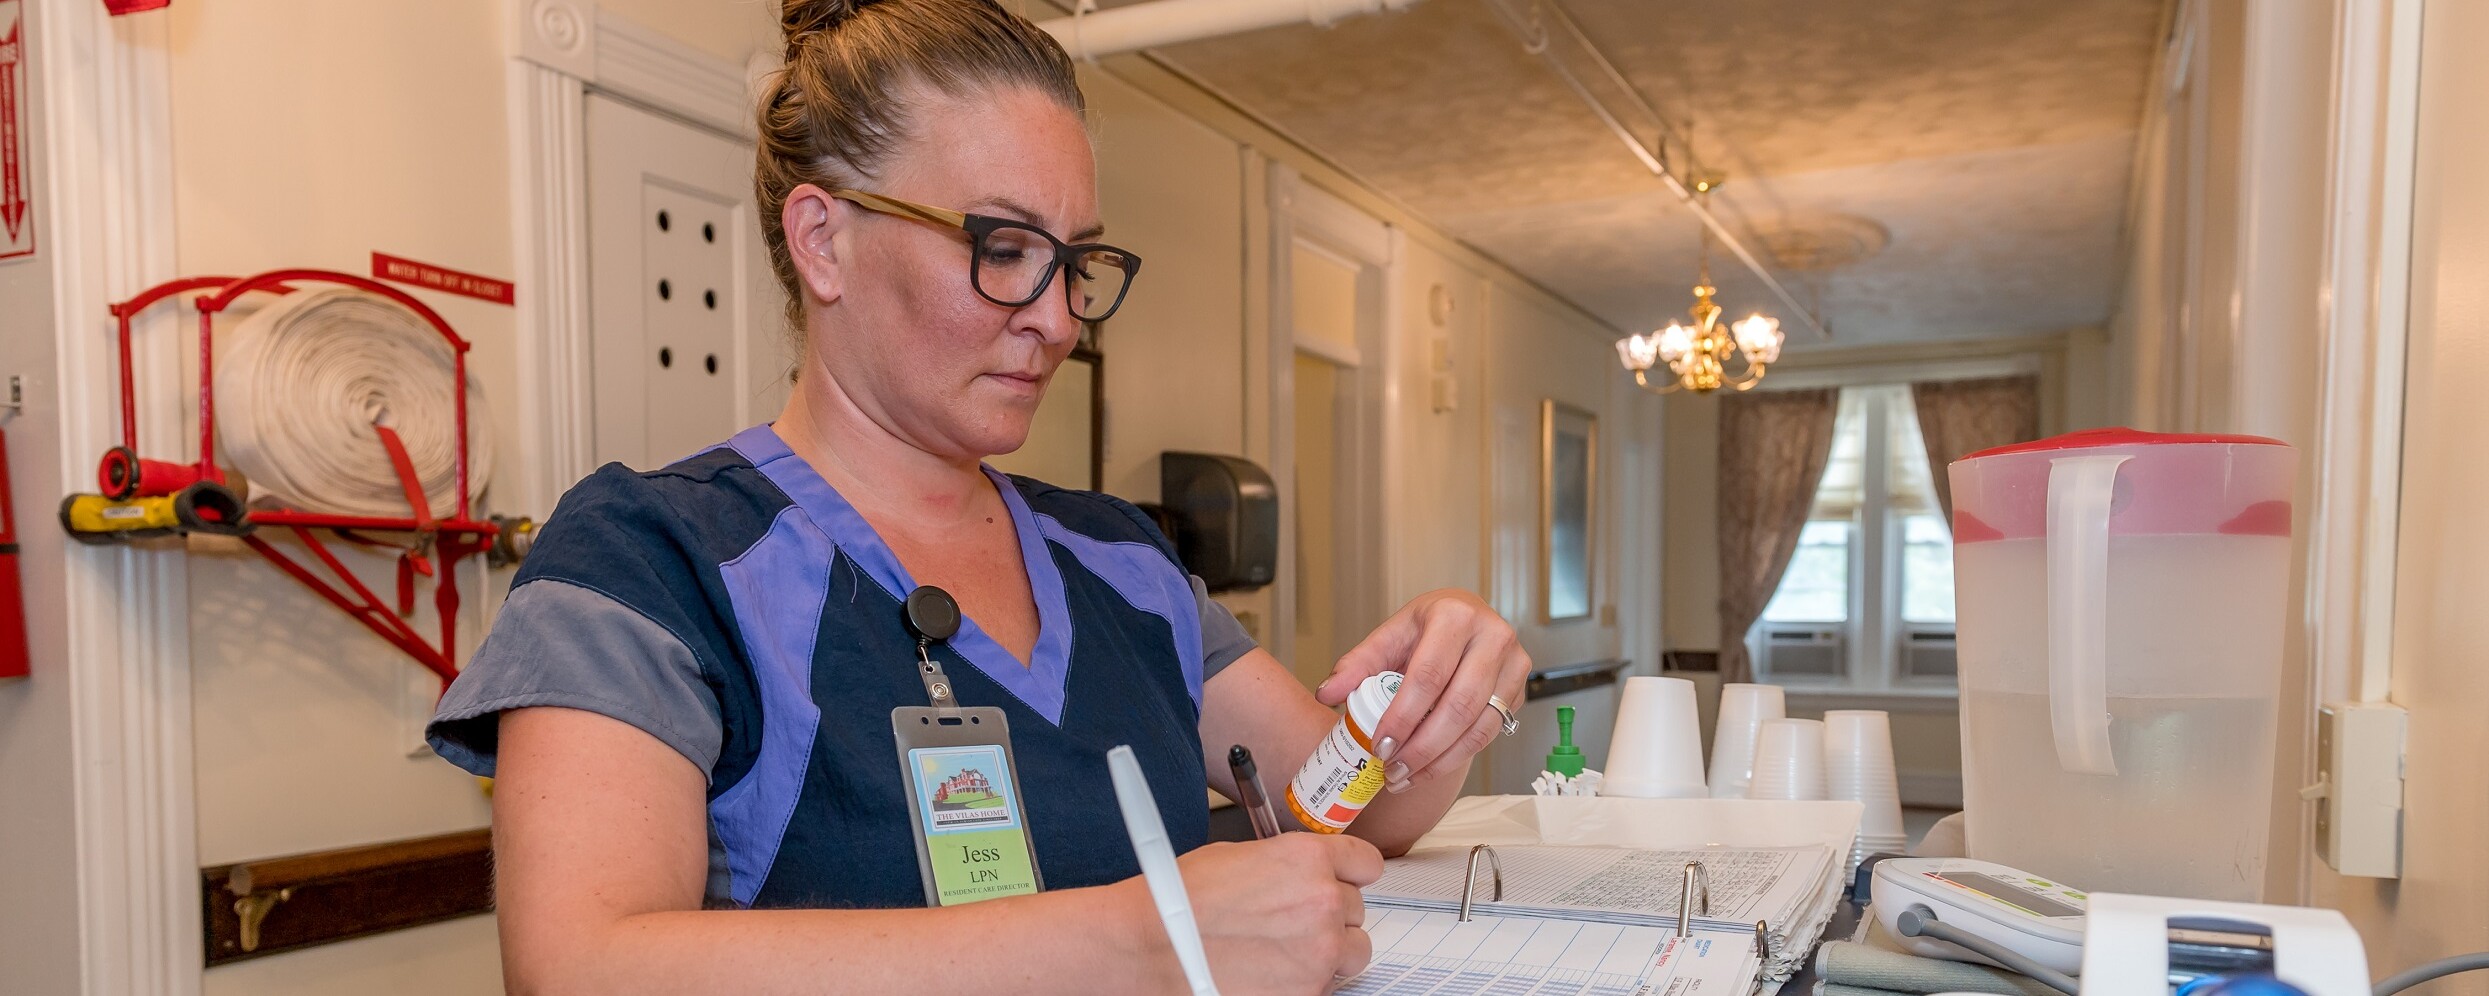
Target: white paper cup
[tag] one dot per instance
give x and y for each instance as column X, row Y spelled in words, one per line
column 1789, row 760
column 1858, row 766
column 1657, row 751
column 1869, row 846
column 1743, row 709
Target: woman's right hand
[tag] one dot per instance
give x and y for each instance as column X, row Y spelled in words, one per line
column 1282, row 916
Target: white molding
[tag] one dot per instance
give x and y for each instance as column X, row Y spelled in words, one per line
column 2367, row 271
column 641, row 64
column 1392, row 464
column 1338, row 225
column 620, row 56
column 549, row 195
column 1782, row 378
column 557, row 34
column 1283, row 185
column 2357, row 466
column 1335, row 353
column 561, row 51
column 108, row 191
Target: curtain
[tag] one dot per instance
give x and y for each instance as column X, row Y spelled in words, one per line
column 1960, row 417
column 1773, row 447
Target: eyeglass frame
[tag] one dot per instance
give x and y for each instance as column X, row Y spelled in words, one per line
column 979, row 227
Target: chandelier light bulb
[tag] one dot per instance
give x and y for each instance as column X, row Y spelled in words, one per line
column 1638, row 351
column 1674, row 342
column 1759, row 338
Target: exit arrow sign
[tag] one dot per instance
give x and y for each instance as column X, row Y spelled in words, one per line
column 17, row 230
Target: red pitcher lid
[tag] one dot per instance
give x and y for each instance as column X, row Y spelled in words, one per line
column 2096, row 438
column 2166, row 485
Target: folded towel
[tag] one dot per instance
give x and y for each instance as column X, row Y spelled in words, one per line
column 1843, row 964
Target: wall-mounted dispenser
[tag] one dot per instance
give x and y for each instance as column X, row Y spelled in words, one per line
column 1226, row 514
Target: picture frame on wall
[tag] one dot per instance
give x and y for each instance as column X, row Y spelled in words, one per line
column 1568, row 512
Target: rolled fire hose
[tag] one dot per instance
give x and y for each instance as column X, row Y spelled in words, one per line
column 301, row 384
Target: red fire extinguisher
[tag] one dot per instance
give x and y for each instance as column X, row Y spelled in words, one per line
column 13, row 657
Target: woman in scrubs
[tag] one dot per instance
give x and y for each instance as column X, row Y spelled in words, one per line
column 688, row 698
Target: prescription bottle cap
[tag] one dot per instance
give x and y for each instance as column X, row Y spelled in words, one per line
column 1373, row 695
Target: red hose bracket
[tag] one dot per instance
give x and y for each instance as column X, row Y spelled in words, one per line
column 448, row 540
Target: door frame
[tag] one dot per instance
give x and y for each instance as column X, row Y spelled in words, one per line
column 100, row 86
column 1301, row 211
column 2371, row 155
column 566, row 49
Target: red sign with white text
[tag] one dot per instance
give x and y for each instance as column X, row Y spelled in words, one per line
column 440, row 278
column 17, row 223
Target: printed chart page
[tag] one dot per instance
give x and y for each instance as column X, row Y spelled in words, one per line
column 1434, row 954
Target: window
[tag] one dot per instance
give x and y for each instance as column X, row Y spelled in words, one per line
column 1867, row 603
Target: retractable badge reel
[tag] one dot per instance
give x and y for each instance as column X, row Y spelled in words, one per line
column 963, row 788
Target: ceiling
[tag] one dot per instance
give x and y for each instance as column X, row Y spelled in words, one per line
column 1984, row 144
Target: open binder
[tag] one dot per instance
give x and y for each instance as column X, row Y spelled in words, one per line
column 1608, row 896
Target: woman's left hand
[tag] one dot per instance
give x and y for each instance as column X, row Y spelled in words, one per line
column 1452, row 651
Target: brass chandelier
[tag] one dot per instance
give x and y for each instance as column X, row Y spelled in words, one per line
column 1699, row 355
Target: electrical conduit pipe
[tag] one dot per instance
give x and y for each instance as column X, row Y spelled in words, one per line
column 1095, row 35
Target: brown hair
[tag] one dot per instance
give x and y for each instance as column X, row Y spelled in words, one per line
column 838, row 109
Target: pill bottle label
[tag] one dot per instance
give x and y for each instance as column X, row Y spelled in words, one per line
column 1343, row 775
column 1336, row 783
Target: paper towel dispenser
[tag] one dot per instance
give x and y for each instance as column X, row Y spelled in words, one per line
column 1226, row 515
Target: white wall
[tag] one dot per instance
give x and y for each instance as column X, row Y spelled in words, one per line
column 1173, row 350
column 38, row 922
column 1536, row 352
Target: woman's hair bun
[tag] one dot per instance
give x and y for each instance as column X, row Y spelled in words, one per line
column 802, row 19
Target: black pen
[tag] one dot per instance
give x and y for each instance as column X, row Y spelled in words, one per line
column 1256, row 802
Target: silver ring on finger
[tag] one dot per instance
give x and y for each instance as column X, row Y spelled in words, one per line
column 1512, row 723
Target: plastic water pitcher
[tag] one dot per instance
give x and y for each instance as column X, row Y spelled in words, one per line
column 2120, row 600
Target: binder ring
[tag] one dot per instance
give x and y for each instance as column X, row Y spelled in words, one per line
column 1469, row 882
column 1695, row 876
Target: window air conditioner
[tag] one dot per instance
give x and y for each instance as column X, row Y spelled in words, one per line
column 1927, row 655
column 1803, row 652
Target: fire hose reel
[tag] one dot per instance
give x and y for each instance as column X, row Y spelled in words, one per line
column 346, row 409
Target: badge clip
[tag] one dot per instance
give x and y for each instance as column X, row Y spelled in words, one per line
column 934, row 617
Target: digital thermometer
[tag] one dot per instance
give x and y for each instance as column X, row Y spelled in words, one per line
column 2037, row 918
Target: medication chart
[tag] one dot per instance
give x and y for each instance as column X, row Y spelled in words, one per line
column 1436, row 954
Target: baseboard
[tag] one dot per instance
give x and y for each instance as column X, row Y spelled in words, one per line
column 1931, row 790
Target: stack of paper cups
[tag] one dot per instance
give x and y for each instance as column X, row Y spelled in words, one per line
column 1743, row 710
column 1789, row 760
column 1657, row 752
column 1858, row 764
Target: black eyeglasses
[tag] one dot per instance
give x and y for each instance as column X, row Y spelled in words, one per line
column 1011, row 263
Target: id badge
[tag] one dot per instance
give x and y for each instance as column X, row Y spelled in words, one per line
column 971, row 830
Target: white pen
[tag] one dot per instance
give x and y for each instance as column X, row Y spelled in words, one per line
column 1166, row 883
